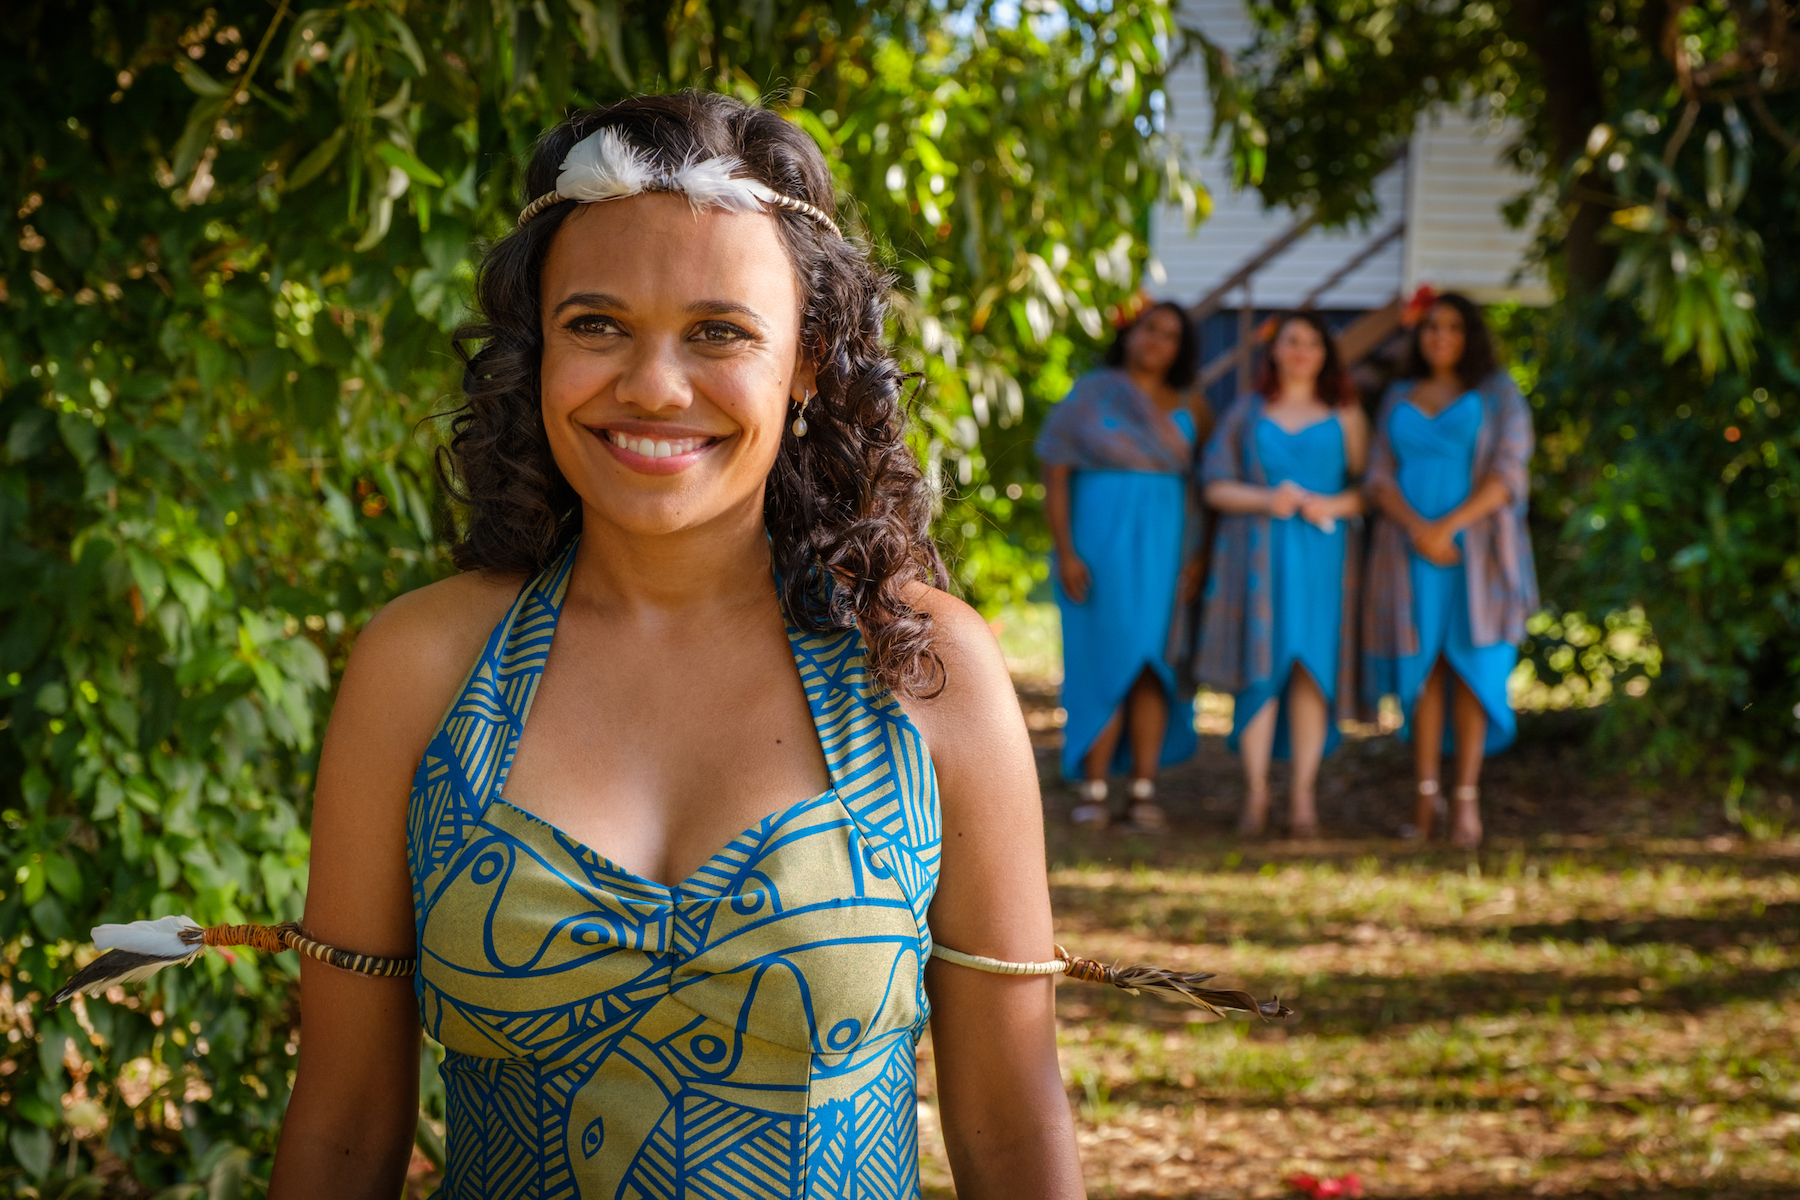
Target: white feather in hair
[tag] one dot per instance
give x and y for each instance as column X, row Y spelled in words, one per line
column 604, row 166
column 710, row 183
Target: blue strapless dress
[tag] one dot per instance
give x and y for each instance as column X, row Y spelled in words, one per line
column 1127, row 527
column 1306, row 565
column 1436, row 457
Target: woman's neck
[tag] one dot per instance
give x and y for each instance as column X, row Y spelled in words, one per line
column 720, row 564
column 1156, row 386
column 1301, row 393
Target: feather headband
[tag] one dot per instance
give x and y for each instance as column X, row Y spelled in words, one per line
column 604, row 166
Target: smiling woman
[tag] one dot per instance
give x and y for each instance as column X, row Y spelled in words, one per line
column 849, row 502
column 672, row 791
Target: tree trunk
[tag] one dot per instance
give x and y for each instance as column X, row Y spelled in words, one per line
column 1558, row 35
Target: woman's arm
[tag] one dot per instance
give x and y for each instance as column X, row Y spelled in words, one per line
column 1194, row 568
column 1436, row 540
column 1507, row 479
column 1006, row 1116
column 1391, row 504
column 1356, row 440
column 350, row 1125
column 1491, row 495
column 1233, row 496
column 1200, row 409
column 1057, row 502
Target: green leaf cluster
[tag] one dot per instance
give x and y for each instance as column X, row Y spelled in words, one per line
column 235, row 239
column 1662, row 490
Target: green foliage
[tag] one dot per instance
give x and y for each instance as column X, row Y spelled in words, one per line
column 1327, row 91
column 237, row 236
column 1667, row 481
column 1651, row 126
column 1662, row 490
column 1010, row 175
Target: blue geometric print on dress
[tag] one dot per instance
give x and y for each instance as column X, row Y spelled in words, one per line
column 748, row 1032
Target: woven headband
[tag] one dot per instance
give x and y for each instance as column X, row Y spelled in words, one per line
column 604, row 166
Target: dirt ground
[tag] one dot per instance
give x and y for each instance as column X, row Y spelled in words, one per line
column 1604, row 1001
column 1545, row 785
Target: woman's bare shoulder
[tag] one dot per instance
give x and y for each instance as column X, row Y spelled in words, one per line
column 415, row 651
column 441, row 619
column 976, row 710
column 961, row 637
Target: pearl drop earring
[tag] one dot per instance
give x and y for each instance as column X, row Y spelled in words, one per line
column 799, row 426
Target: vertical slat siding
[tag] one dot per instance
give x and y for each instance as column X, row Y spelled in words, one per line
column 1193, row 263
column 1451, row 192
column 1457, row 237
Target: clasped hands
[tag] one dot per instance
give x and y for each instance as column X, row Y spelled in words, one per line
column 1287, row 498
column 1435, row 542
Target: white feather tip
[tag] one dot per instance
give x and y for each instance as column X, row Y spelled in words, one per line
column 161, row 937
column 604, row 166
column 712, row 183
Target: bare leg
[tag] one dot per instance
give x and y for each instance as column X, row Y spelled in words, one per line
column 1306, row 739
column 1428, row 745
column 1470, row 722
column 1256, row 745
column 1149, row 710
column 1092, row 811
column 1100, row 754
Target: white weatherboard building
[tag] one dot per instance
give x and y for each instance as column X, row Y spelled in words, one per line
column 1440, row 223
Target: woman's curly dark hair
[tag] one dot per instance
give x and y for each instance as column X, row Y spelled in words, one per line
column 1479, row 357
column 847, row 507
column 1186, row 367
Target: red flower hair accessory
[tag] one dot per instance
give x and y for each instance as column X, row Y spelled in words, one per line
column 1126, row 313
column 1417, row 305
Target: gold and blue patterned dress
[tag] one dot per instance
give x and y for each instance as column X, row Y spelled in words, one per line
column 748, row 1032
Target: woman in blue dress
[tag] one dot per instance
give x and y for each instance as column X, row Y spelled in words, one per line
column 1279, row 626
column 1117, row 457
column 1451, row 578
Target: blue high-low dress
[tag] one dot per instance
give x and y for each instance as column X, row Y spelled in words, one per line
column 1306, row 565
column 1436, row 457
column 1128, row 527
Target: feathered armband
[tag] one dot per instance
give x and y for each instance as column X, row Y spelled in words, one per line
column 136, row 951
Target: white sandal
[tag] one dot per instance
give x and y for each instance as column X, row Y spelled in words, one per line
column 1144, row 813
column 1440, row 811
column 1092, row 812
column 1468, row 794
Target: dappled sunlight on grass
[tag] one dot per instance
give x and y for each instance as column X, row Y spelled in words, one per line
column 1618, row 1018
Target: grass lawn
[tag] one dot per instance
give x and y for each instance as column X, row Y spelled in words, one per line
column 1605, row 1001
column 1603, row 1019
